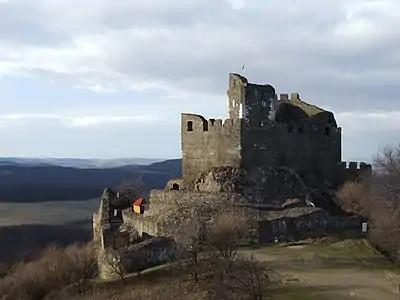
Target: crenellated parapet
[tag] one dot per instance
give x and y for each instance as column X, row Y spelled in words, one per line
column 192, row 123
column 352, row 171
column 287, row 97
column 291, row 132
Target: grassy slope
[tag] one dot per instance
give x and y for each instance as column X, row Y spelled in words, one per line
column 334, row 259
column 354, row 259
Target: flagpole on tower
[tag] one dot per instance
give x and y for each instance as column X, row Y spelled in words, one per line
column 243, row 69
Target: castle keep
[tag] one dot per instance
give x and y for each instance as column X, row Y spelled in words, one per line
column 263, row 130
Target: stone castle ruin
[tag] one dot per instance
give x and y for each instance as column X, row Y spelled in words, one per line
column 276, row 155
column 265, row 130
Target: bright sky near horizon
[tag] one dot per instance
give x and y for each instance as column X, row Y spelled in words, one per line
column 108, row 79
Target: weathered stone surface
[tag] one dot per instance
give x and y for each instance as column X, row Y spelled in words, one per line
column 263, row 130
column 122, row 235
column 294, row 202
column 258, row 185
column 276, row 157
column 175, row 183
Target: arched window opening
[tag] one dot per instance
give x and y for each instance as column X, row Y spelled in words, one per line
column 175, row 187
column 190, row 126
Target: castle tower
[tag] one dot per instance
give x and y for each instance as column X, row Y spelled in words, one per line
column 254, row 103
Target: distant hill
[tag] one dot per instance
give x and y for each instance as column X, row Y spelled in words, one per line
column 76, row 162
column 33, row 182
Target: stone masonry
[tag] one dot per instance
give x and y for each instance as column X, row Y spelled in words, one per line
column 276, row 157
column 264, row 130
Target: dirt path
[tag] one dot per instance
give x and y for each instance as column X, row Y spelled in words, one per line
column 337, row 275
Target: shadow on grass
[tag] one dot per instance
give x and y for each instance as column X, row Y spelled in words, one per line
column 332, row 263
column 312, row 293
column 356, row 254
column 366, row 263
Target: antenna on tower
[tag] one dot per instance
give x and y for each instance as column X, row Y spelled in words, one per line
column 242, row 70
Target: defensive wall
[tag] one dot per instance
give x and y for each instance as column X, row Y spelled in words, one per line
column 233, row 142
column 111, row 235
column 208, row 143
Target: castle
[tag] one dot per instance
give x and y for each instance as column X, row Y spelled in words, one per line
column 276, row 157
column 264, row 130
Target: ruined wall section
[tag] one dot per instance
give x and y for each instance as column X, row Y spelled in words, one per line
column 208, row 143
column 251, row 102
column 351, row 171
column 102, row 234
column 236, row 96
column 303, row 148
column 311, row 143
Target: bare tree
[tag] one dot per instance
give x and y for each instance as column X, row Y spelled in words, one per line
column 227, row 232
column 205, row 229
column 115, row 263
column 251, row 278
column 37, row 279
column 83, row 263
column 387, row 177
column 354, row 198
column 128, row 191
column 382, row 205
column 191, row 239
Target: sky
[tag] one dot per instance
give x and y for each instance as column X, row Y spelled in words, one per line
column 109, row 79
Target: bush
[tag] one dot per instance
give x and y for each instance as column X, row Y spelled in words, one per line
column 54, row 270
column 353, row 198
column 378, row 201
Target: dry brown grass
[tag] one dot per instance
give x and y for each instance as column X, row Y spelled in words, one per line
column 378, row 201
column 353, row 198
column 55, row 269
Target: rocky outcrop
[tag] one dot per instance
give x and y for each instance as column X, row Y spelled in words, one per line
column 258, row 185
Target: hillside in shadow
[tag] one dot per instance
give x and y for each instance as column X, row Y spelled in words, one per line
column 38, row 183
column 24, row 242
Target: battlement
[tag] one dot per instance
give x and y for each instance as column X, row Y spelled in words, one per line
column 263, row 128
column 287, row 97
column 197, row 123
column 355, row 166
column 352, row 171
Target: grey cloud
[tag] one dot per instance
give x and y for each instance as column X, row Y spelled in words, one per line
column 192, row 45
column 21, row 23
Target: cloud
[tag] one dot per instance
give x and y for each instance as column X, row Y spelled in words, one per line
column 362, row 122
column 315, row 47
column 339, row 54
column 77, row 121
column 93, row 121
column 237, row 4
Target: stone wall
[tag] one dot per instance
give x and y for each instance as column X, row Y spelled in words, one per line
column 144, row 224
column 263, row 130
column 158, row 197
column 208, row 143
column 304, row 148
column 351, row 171
column 112, row 234
column 149, row 253
column 299, row 223
column 103, row 218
